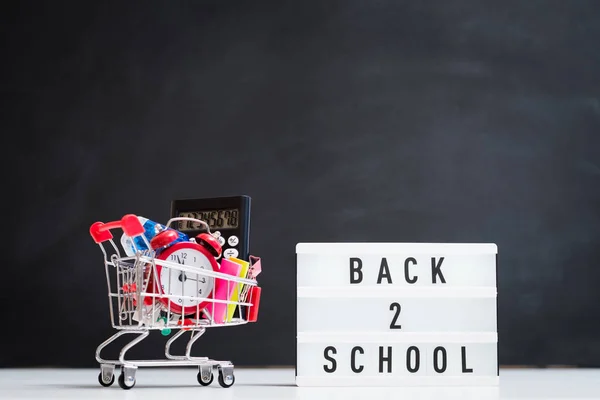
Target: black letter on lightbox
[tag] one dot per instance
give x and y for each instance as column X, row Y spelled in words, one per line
column 407, row 273
column 384, row 272
column 436, row 270
column 355, row 270
column 359, row 369
column 330, row 349
column 387, row 359
column 463, row 352
column 436, row 366
column 413, row 350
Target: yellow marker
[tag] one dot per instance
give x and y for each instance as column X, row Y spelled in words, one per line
column 235, row 296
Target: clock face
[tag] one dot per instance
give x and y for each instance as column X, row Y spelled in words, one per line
column 185, row 289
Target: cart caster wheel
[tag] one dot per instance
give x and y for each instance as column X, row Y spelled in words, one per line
column 227, row 381
column 123, row 384
column 206, row 379
column 103, row 382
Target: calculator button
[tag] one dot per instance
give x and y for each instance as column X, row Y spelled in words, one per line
column 230, row 253
column 233, row 240
column 221, row 240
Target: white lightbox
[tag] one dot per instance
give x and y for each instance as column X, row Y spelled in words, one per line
column 433, row 307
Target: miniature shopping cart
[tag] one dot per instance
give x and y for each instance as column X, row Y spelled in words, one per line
column 158, row 290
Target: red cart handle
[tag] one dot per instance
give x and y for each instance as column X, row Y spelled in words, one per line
column 130, row 224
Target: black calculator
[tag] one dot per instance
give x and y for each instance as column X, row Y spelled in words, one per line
column 229, row 216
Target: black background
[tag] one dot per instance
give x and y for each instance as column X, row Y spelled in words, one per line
column 380, row 120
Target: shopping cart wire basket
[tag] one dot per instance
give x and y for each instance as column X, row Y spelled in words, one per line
column 149, row 291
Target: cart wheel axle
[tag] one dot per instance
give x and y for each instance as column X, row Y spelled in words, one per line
column 104, row 382
column 226, row 379
column 205, row 379
column 126, row 384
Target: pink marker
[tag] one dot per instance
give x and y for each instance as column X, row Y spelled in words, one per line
column 223, row 290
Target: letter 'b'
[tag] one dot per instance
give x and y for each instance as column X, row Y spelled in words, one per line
column 356, row 275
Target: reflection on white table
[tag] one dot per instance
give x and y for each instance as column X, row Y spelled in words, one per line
column 277, row 384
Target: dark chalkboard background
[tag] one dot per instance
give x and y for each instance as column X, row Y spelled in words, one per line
column 350, row 120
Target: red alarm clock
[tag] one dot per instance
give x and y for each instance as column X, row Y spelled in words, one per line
column 209, row 242
column 177, row 285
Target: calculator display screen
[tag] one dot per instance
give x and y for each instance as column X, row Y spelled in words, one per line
column 216, row 219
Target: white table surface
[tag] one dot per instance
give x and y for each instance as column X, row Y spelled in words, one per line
column 266, row 384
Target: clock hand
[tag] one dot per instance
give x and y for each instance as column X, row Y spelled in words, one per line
column 182, row 275
column 197, row 280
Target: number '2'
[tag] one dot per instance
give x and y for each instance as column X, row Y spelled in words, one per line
column 397, row 307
